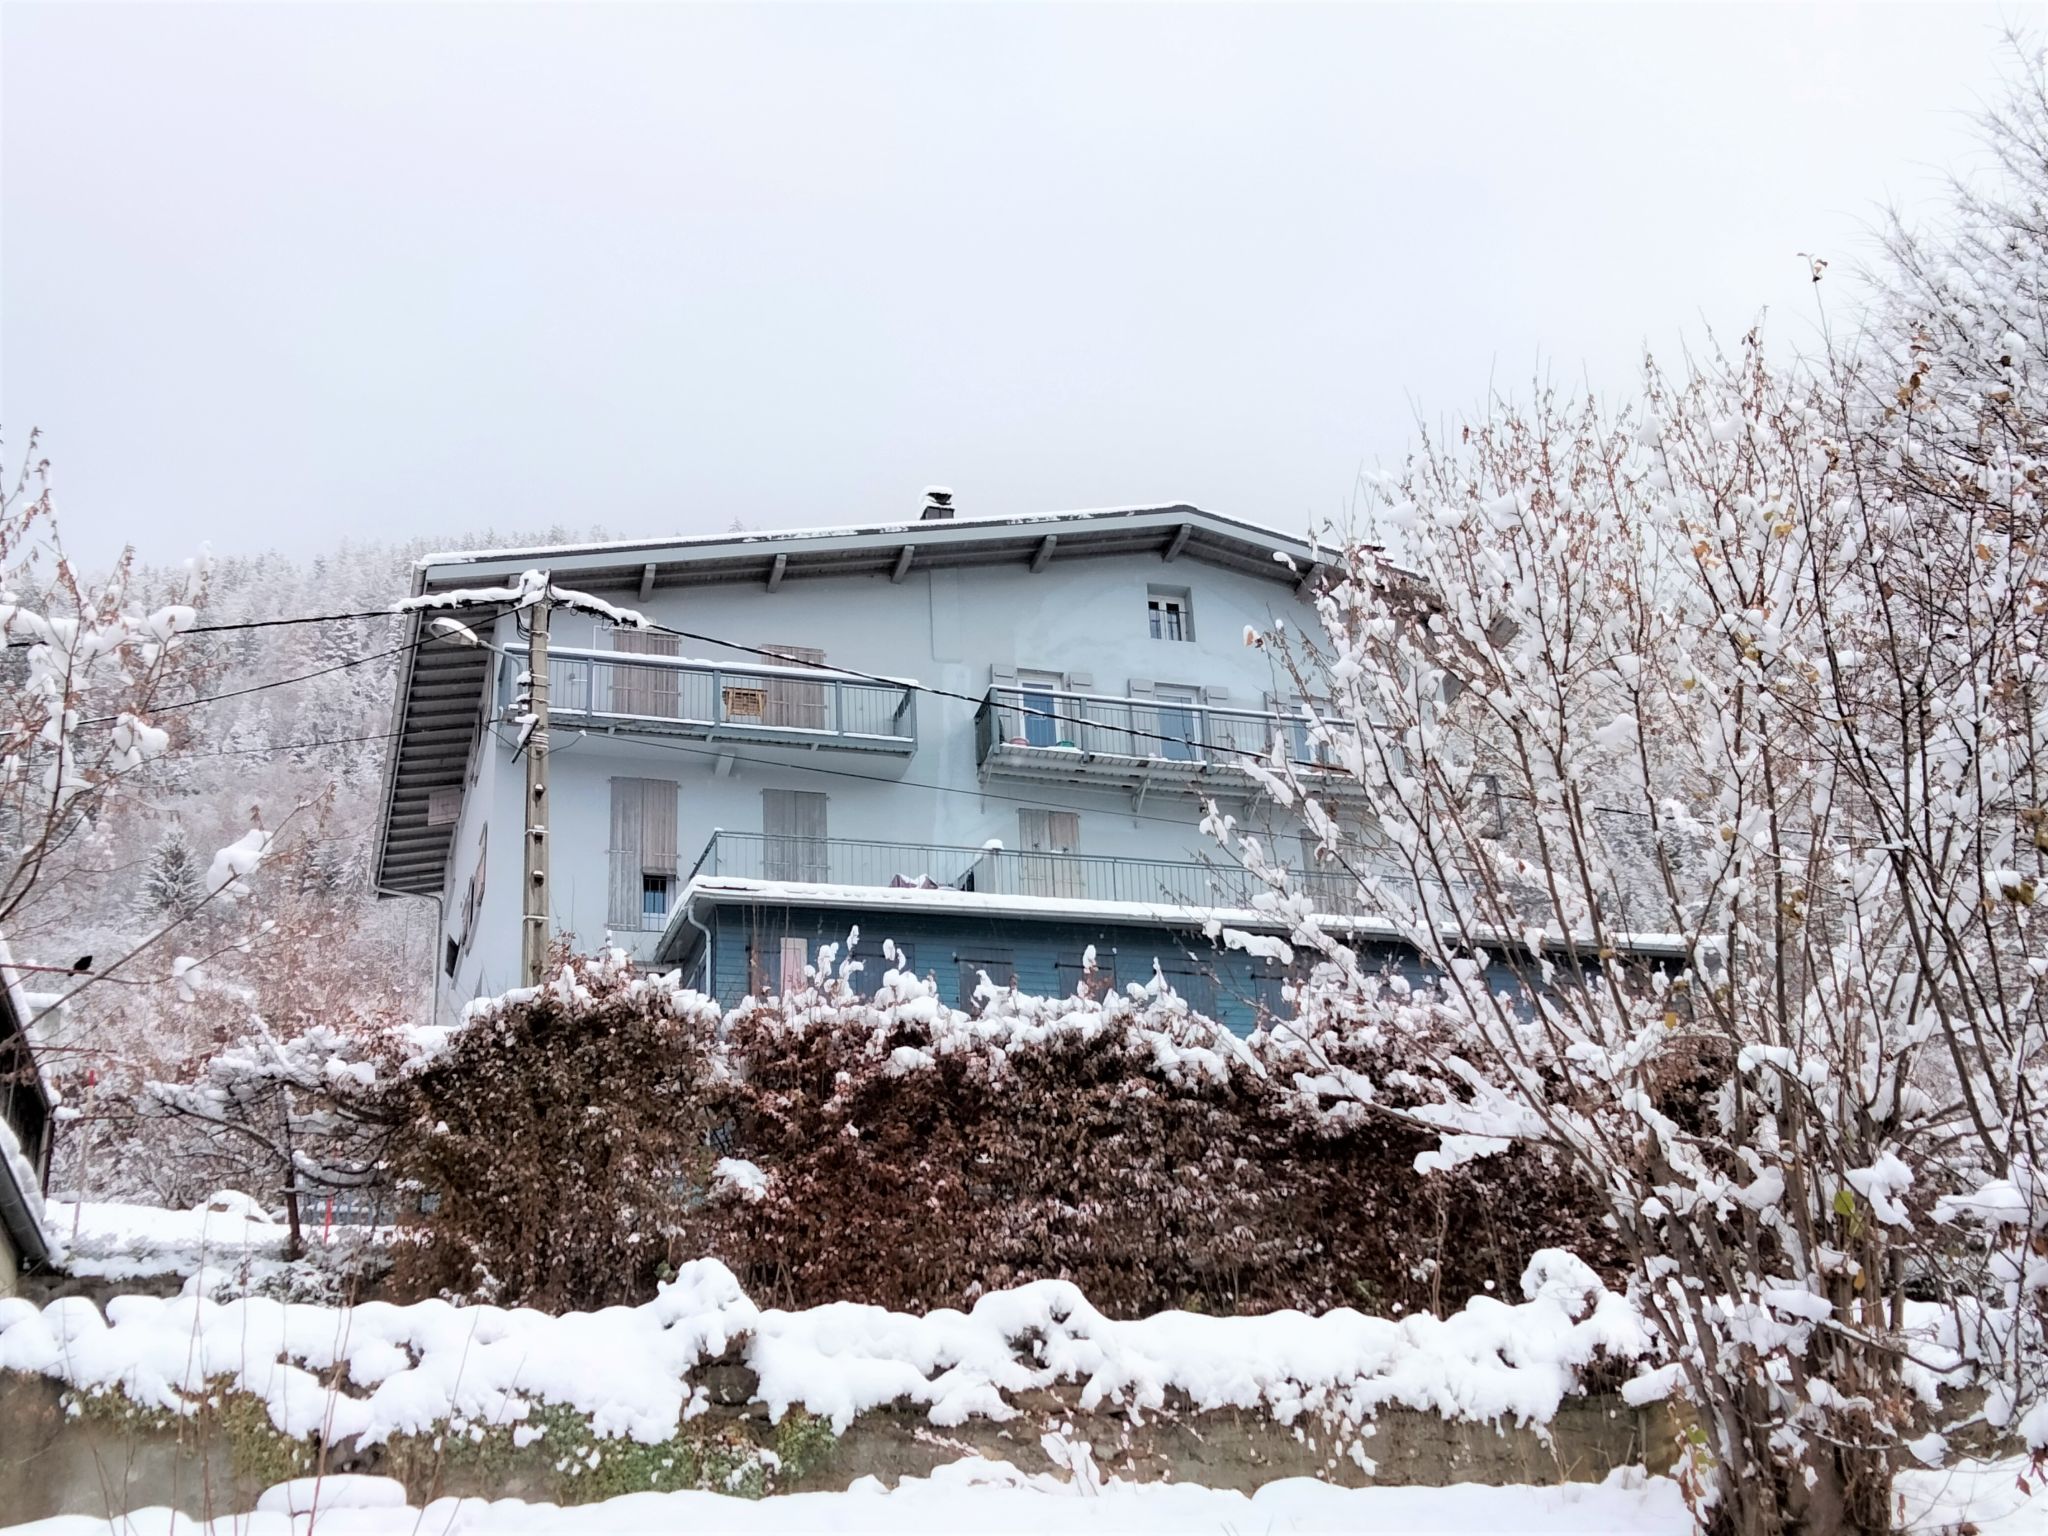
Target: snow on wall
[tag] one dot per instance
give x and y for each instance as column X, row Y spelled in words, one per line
column 379, row 1369
column 127, row 1242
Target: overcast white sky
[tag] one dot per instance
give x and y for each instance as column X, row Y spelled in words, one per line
column 278, row 275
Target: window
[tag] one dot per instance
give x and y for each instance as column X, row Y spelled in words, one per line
column 1302, row 746
column 654, row 895
column 793, row 842
column 1191, row 980
column 1071, row 971
column 1269, row 989
column 1000, row 964
column 1169, row 614
column 452, row 957
column 643, row 846
column 874, row 965
column 1039, row 694
column 1176, row 724
column 473, row 898
column 1050, row 840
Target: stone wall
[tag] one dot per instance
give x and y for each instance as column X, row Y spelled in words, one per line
column 102, row 1457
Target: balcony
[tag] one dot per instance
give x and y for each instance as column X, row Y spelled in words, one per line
column 644, row 902
column 795, row 706
column 1138, row 743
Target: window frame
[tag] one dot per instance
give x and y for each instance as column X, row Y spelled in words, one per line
column 1170, row 608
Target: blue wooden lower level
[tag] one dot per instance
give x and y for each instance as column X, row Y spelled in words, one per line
column 750, row 944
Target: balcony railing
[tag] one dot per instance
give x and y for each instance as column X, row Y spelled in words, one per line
column 1018, row 722
column 801, row 706
column 989, row 871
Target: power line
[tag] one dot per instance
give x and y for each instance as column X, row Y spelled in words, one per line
column 293, row 746
column 1184, row 823
column 279, row 682
column 221, row 629
column 310, row 618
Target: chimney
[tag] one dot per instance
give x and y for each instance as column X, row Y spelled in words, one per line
column 938, row 505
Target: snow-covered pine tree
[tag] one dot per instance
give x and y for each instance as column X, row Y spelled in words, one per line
column 172, row 882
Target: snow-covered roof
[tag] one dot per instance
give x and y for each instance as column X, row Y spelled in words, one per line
column 794, row 893
column 21, row 1185
column 979, row 538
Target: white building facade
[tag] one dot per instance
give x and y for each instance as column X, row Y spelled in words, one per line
column 985, row 740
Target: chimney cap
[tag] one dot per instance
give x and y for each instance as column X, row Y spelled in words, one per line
column 938, row 503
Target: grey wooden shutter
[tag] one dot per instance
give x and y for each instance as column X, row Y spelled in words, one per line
column 629, row 800
column 1032, row 831
column 794, row 823
column 658, row 827
column 645, row 690
column 792, row 702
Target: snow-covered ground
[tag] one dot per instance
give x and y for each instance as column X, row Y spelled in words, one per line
column 971, row 1497
column 976, row 1496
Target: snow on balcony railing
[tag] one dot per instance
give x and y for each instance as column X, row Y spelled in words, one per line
column 987, row 871
column 763, row 703
column 1154, row 727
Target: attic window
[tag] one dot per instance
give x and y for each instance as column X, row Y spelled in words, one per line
column 444, row 807
column 1168, row 613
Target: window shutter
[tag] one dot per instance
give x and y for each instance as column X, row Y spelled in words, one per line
column 793, row 821
column 645, row 690
column 658, row 827
column 792, row 702
column 1212, row 695
column 1139, row 687
column 1063, row 830
column 1033, row 831
column 810, row 816
column 629, row 801
column 474, row 905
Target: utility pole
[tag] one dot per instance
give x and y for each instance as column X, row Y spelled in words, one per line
column 533, row 921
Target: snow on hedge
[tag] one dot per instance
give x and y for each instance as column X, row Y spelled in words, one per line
column 380, row 1369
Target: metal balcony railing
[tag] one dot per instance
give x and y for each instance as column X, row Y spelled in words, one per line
column 1160, row 729
column 989, row 871
column 797, row 705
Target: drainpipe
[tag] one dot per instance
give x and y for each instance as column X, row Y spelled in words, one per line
column 690, row 917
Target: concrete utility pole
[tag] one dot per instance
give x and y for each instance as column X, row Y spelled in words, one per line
column 533, row 921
